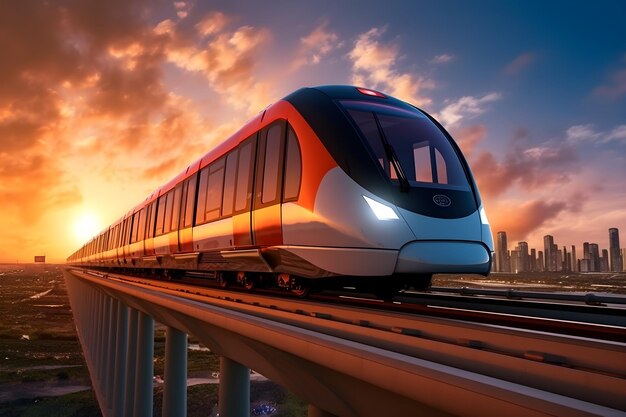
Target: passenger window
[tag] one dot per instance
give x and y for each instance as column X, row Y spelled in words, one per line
column 189, row 194
column 243, row 193
column 214, row 196
column 169, row 205
column 142, row 224
column 160, row 216
column 133, row 234
column 271, row 166
column 229, row 183
column 293, row 167
column 176, row 207
column 202, row 188
column 151, row 217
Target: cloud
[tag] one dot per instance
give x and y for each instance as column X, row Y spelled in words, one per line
column 317, row 44
column 212, row 23
column 226, row 58
column 465, row 107
column 520, row 63
column 579, row 134
column 442, row 59
column 614, row 89
column 469, row 137
column 374, row 65
column 520, row 220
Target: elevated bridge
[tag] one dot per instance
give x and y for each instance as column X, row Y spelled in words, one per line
column 345, row 361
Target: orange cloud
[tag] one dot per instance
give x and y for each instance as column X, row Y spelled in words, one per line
column 373, row 65
column 315, row 45
column 520, row 63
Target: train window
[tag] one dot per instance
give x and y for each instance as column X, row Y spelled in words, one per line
column 169, row 206
column 133, row 233
column 229, row 183
column 176, row 207
column 214, row 192
column 243, row 193
column 150, row 220
column 142, row 224
column 202, row 189
column 409, row 146
column 271, row 165
column 293, row 167
column 160, row 217
column 189, row 195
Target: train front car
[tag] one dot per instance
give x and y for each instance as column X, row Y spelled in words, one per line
column 400, row 205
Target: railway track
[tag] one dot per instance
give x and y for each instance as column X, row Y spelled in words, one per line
column 591, row 316
column 582, row 360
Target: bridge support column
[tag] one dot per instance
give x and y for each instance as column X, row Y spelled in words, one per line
column 144, row 372
column 234, row 395
column 314, row 411
column 175, row 389
column 131, row 361
column 119, row 385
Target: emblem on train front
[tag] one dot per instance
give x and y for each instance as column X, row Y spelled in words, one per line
column 442, row 200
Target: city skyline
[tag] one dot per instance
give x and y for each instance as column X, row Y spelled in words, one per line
column 101, row 103
column 555, row 258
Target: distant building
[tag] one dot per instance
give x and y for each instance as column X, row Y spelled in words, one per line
column 516, row 261
column 604, row 261
column 614, row 248
column 624, row 260
column 502, row 255
column 549, row 250
column 574, row 260
column 533, row 260
column 594, row 253
column 524, row 257
column 540, row 264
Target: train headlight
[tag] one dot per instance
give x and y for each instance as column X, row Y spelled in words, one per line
column 381, row 211
column 483, row 216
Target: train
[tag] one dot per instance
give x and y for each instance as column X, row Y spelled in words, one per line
column 331, row 184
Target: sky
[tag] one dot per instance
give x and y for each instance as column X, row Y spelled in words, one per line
column 103, row 101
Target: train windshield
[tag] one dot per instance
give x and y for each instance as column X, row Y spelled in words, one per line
column 411, row 149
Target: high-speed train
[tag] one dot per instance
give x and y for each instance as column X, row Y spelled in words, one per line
column 329, row 184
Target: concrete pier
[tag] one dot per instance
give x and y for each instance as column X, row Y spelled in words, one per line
column 234, row 395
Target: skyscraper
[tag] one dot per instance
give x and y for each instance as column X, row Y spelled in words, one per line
column 614, row 250
column 549, row 251
column 524, row 257
column 594, row 253
column 574, row 260
column 502, row 255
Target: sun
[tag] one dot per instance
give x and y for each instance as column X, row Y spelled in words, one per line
column 86, row 226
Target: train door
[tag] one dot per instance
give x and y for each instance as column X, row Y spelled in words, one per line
column 242, row 216
column 266, row 213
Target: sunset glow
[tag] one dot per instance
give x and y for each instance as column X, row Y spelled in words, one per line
column 102, row 102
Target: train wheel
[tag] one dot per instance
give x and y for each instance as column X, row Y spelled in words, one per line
column 249, row 284
column 222, row 281
column 301, row 288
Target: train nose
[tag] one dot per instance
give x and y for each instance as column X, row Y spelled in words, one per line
column 430, row 257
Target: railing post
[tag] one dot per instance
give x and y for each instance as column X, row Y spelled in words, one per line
column 175, row 389
column 102, row 353
column 131, row 360
column 144, row 371
column 234, row 393
column 119, row 385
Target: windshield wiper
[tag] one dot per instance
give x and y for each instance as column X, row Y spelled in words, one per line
column 393, row 158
